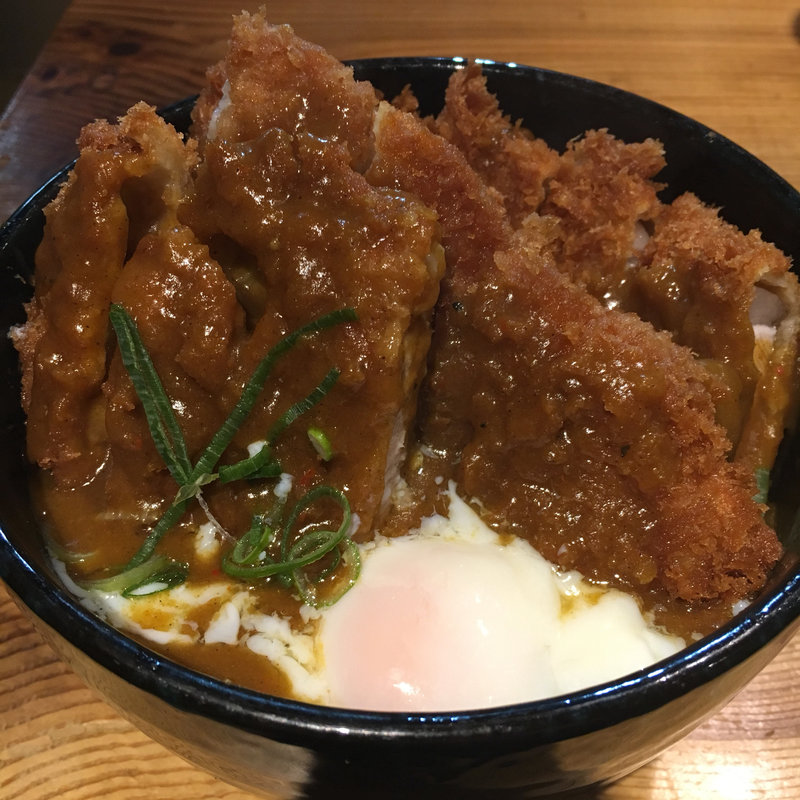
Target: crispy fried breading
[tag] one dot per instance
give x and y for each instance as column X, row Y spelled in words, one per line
column 302, row 232
column 272, row 229
column 699, row 278
column 129, row 178
column 602, row 194
column 507, row 156
column 270, row 78
column 706, row 282
column 575, row 426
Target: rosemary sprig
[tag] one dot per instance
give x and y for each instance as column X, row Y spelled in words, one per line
column 164, row 428
column 171, row 445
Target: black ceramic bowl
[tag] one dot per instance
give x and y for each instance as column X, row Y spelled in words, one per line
column 291, row 749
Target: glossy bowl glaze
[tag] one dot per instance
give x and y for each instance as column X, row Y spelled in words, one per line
column 290, row 749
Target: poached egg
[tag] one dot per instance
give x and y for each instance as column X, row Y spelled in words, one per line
column 448, row 617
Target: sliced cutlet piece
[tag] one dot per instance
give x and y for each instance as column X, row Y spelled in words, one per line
column 282, row 203
column 509, row 158
column 731, row 298
column 112, row 236
column 129, row 179
column 574, row 426
column 727, row 296
column 605, row 199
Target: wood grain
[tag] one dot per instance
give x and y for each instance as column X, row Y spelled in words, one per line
column 59, row 741
column 733, row 65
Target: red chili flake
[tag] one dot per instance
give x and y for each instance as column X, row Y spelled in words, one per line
column 307, row 477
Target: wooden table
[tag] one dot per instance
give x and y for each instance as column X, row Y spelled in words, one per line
column 733, row 64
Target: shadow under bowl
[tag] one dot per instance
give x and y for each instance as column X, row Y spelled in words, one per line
column 289, row 749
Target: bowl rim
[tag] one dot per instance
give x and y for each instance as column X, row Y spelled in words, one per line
column 294, row 722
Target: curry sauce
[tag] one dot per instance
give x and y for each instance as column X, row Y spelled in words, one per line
column 525, row 324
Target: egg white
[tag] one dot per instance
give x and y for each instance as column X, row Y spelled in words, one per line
column 448, row 617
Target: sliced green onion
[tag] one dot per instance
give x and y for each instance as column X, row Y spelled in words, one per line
column 306, row 404
column 334, row 559
column 223, row 437
column 317, row 544
column 266, row 568
column 190, row 490
column 62, row 554
column 306, row 550
column 145, row 571
column 256, row 541
column 156, row 574
column 321, row 442
column 169, row 518
column 351, row 559
column 263, row 464
column 260, row 465
column 310, row 497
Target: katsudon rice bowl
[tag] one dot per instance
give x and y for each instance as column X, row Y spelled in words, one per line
column 447, row 441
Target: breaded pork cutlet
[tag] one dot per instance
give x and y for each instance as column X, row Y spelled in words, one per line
column 280, row 200
column 574, row 426
column 727, row 296
column 510, row 159
column 120, row 198
column 216, row 264
column 733, row 301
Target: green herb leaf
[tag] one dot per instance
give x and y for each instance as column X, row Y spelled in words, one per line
column 170, row 443
column 302, row 406
column 156, row 574
column 190, row 490
column 245, row 561
column 262, row 464
column 321, row 443
column 762, row 484
column 351, row 559
column 333, row 537
column 256, row 541
column 164, row 428
column 252, row 389
column 63, row 554
column 169, row 518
